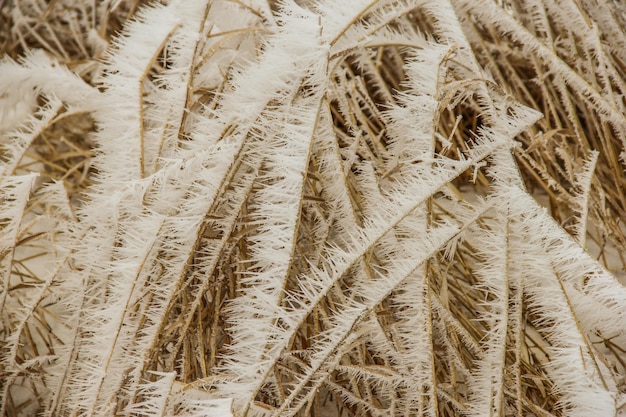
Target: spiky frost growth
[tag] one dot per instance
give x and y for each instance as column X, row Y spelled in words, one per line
column 298, row 208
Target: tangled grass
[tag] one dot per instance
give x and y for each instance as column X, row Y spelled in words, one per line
column 396, row 207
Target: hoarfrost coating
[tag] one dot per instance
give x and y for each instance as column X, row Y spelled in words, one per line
column 250, row 208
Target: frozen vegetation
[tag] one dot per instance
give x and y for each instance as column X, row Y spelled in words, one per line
column 312, row 208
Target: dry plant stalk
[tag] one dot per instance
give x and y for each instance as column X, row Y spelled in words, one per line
column 312, row 208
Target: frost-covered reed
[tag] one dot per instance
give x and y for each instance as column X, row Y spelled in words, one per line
column 294, row 208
